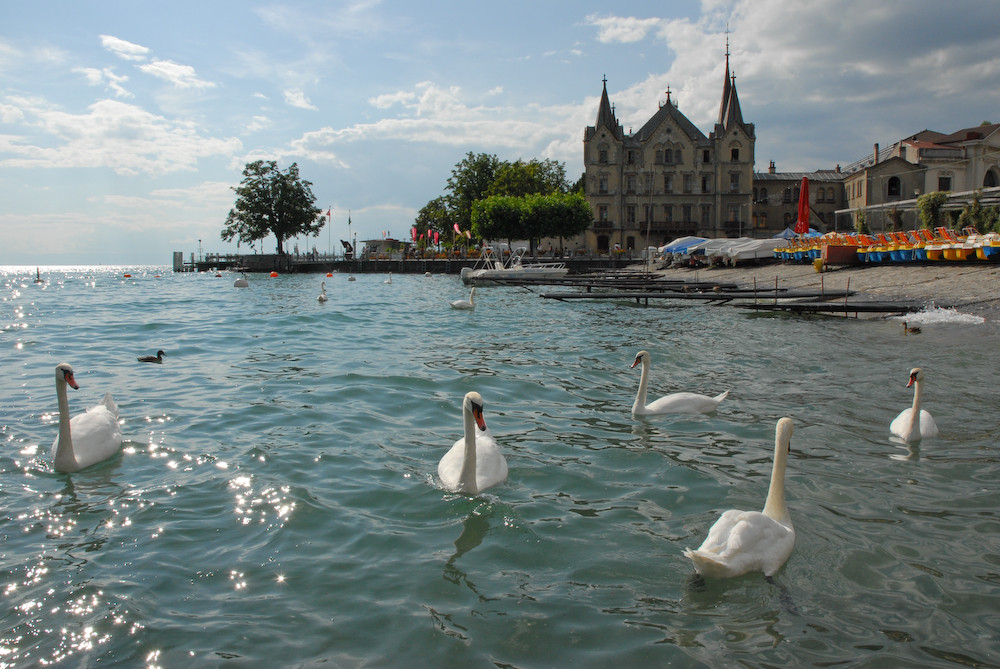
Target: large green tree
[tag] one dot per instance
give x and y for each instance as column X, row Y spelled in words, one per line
column 469, row 182
column 269, row 201
column 521, row 178
column 435, row 215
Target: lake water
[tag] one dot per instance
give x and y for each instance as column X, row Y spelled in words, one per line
column 276, row 501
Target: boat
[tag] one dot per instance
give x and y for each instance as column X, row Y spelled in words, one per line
column 489, row 268
column 753, row 250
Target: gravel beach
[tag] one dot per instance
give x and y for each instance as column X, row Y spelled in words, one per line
column 971, row 287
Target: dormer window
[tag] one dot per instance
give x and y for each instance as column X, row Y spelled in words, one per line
column 735, row 153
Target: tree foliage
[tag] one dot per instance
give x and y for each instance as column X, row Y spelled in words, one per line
column 469, row 182
column 531, row 217
column 269, row 201
column 497, row 199
column 929, row 205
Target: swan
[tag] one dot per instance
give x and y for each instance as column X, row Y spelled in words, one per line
column 389, row 280
column 906, row 425
column 743, row 541
column 673, row 403
column 466, row 304
column 322, row 292
column 474, row 462
column 152, row 358
column 89, row 437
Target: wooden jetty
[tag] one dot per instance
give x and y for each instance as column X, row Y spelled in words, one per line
column 643, row 288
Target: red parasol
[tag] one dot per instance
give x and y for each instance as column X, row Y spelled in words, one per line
column 802, row 224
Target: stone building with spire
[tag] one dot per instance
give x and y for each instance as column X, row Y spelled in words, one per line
column 668, row 179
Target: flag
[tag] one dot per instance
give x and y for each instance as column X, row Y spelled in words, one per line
column 328, row 213
column 457, row 229
column 468, row 234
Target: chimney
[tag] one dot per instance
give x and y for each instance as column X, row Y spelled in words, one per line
column 875, row 159
column 771, row 169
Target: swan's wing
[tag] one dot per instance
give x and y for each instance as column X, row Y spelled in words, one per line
column 928, row 428
column 450, row 466
column 684, row 403
column 491, row 466
column 744, row 541
column 901, row 423
column 108, row 403
column 96, row 435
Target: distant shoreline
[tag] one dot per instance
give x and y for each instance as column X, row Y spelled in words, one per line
column 972, row 287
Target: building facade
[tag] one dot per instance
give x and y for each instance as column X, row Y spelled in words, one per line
column 668, row 179
column 776, row 200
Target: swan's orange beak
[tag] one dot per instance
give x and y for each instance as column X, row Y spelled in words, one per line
column 477, row 412
column 68, row 376
column 913, row 378
column 637, row 361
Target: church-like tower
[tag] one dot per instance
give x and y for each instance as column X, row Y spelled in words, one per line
column 668, row 179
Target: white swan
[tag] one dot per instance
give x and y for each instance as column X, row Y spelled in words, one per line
column 474, row 462
column 322, row 292
column 907, row 426
column 389, row 280
column 673, row 403
column 89, row 437
column 743, row 541
column 466, row 304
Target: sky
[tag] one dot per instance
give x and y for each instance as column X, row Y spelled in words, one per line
column 124, row 126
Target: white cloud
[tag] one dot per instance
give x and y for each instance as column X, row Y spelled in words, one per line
column 389, row 99
column 10, row 114
column 107, row 78
column 181, row 76
column 296, row 98
column 124, row 49
column 112, row 134
column 623, row 29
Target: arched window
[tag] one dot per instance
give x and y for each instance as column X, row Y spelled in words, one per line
column 763, row 195
column 991, row 180
column 893, row 188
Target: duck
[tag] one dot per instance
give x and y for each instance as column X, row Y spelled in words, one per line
column 910, row 329
column 89, row 437
column 158, row 358
column 322, row 292
column 914, row 423
column 741, row 542
column 389, row 280
column 466, row 304
column 474, row 462
column 351, row 278
column 683, row 402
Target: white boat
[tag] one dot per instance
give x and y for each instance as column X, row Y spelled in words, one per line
column 490, row 268
column 718, row 249
column 754, row 250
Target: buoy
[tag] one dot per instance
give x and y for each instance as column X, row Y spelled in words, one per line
column 818, row 264
column 274, row 274
column 329, row 274
column 128, row 276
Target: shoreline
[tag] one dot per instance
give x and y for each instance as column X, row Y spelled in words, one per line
column 969, row 287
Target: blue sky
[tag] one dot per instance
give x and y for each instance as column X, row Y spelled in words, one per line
column 124, row 125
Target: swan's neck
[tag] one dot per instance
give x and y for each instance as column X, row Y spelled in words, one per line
column 640, row 397
column 914, row 429
column 467, row 478
column 65, row 460
column 774, row 506
column 472, row 296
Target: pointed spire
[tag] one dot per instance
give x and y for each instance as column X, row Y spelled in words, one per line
column 606, row 113
column 726, row 86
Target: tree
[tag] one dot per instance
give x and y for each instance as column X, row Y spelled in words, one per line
column 470, row 181
column 930, row 205
column 435, row 215
column 520, row 178
column 498, row 217
column 270, row 201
